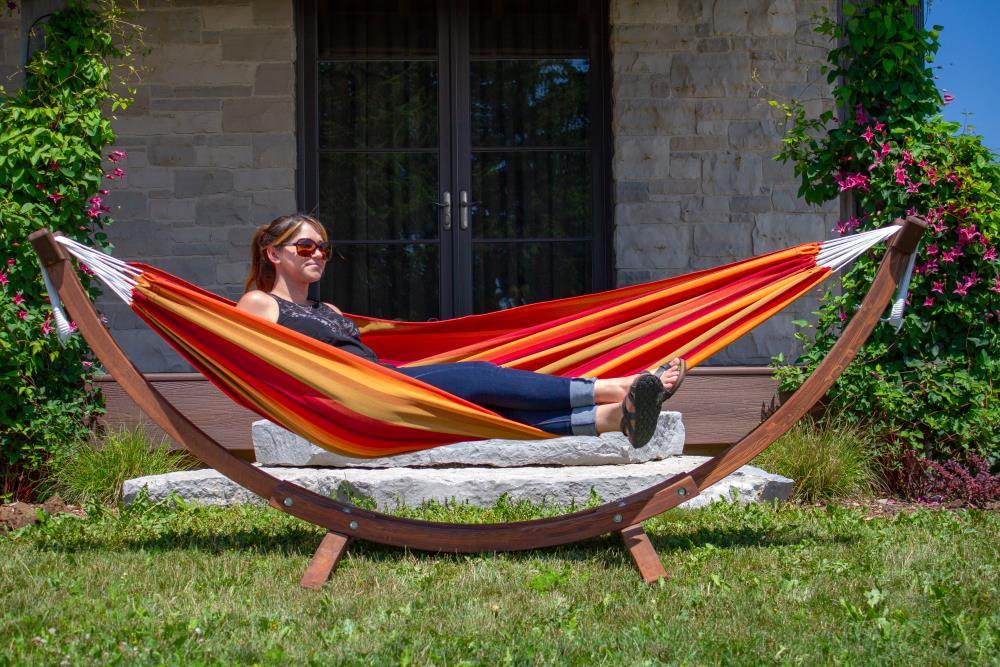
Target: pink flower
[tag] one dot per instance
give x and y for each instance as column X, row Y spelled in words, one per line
column 103, row 192
column 996, row 285
column 87, row 364
column 912, row 187
column 949, row 256
column 907, row 158
column 86, row 269
column 990, row 254
column 885, row 149
column 847, row 226
column 879, row 127
column 967, row 235
column 859, row 115
column 900, row 172
column 953, row 177
column 938, row 287
column 53, row 165
column 842, row 316
column 55, row 197
column 18, row 299
column 848, row 181
column 116, row 156
column 22, row 314
column 11, row 5
column 868, row 135
column 46, row 328
column 4, row 280
column 932, row 175
column 115, row 175
column 10, row 262
column 948, row 98
column 932, row 249
column 961, row 290
column 928, row 302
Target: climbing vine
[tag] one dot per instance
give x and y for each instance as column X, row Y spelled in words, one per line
column 56, row 171
column 928, row 388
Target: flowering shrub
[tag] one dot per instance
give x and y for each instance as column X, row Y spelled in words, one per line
column 53, row 171
column 929, row 386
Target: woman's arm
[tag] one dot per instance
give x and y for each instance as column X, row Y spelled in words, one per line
column 259, row 303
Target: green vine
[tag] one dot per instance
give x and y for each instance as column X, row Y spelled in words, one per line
column 53, row 132
column 928, row 388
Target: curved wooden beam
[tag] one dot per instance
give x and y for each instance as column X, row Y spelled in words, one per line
column 353, row 522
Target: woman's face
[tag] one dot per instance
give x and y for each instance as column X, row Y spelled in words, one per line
column 293, row 266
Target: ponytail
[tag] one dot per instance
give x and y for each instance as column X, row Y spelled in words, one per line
column 262, row 274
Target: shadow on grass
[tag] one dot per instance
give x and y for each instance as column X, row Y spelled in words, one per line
column 300, row 541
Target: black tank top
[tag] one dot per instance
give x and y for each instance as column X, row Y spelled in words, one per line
column 325, row 325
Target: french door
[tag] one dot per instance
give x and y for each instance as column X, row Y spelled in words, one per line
column 456, row 151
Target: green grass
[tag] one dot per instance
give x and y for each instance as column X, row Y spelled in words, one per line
column 89, row 472
column 154, row 584
column 832, row 460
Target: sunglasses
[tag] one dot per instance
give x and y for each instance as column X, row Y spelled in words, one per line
column 306, row 248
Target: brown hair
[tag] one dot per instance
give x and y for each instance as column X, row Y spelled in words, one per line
column 262, row 273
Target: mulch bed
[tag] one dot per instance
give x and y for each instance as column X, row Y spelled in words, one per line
column 19, row 515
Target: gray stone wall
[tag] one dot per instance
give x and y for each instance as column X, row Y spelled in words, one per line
column 695, row 185
column 211, row 149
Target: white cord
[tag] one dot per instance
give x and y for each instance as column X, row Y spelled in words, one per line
column 899, row 305
column 63, row 329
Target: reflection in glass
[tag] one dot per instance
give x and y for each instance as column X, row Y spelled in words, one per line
column 378, row 104
column 536, row 194
column 379, row 196
column 530, row 28
column 395, row 281
column 512, row 274
column 376, row 29
column 530, row 102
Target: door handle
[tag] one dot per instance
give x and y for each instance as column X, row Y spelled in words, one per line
column 464, row 205
column 445, row 206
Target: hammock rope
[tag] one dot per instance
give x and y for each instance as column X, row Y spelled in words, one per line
column 357, row 408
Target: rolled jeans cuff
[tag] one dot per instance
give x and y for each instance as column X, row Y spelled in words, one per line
column 583, row 421
column 581, row 392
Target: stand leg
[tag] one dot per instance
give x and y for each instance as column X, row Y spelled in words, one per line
column 324, row 560
column 644, row 554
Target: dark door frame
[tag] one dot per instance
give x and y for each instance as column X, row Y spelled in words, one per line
column 455, row 174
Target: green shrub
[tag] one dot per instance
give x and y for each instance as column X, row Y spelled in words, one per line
column 928, row 388
column 52, row 134
column 829, row 461
column 89, row 472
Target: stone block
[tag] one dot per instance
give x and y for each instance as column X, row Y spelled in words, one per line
column 225, row 210
column 274, row 79
column 196, row 122
column 654, row 118
column 273, row 13
column 627, row 277
column 269, row 204
column 200, row 182
column 220, row 74
column 754, row 134
column 731, row 172
column 394, row 487
column 694, row 210
column 172, row 210
column 629, row 86
column 710, row 74
column 172, row 151
column 188, row 104
column 227, row 17
column 232, row 273
column 172, row 26
column 150, row 352
column 232, row 157
column 274, row 150
column 673, row 186
column 258, row 115
column 642, row 157
column 258, row 45
column 199, row 240
column 772, row 17
column 631, row 191
column 640, row 214
column 215, row 92
column 264, row 179
column 730, row 17
column 699, row 143
column 786, row 199
column 712, row 128
column 148, row 178
column 274, row 445
column 653, row 246
column 752, row 204
column 723, row 240
column 128, row 205
column 685, row 165
column 197, row 270
column 775, row 231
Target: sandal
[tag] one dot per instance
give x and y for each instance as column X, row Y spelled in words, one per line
column 682, row 373
column 641, row 409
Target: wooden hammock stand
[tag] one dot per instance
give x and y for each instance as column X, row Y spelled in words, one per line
column 346, row 522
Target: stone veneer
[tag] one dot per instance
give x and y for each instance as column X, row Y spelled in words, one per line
column 212, row 153
column 695, row 185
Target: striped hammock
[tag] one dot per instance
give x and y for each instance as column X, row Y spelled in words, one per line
column 353, row 407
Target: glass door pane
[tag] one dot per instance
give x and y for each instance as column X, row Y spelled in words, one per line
column 532, row 151
column 379, row 155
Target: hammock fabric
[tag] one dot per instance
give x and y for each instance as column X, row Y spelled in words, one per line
column 353, row 407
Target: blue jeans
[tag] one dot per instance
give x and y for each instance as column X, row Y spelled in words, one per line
column 557, row 405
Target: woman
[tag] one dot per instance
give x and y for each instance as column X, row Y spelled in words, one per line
column 291, row 253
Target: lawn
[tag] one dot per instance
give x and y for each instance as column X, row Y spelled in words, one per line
column 155, row 584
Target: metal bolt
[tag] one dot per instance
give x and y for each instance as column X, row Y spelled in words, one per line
column 288, row 502
column 621, row 503
column 347, row 510
column 682, row 492
column 353, row 525
column 618, row 518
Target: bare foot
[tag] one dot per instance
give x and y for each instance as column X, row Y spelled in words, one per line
column 614, row 390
